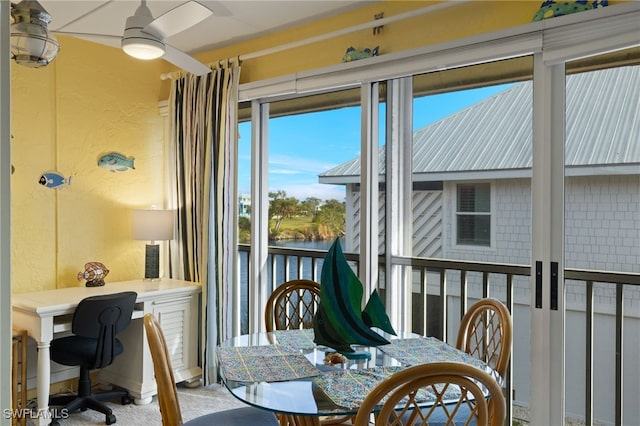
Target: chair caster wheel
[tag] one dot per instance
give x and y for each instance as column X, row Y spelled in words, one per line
column 126, row 400
column 111, row 419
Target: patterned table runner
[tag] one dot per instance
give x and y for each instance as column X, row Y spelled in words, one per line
column 295, row 339
column 423, row 350
column 273, row 363
column 349, row 388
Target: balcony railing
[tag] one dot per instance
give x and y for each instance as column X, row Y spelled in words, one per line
column 620, row 282
column 456, row 280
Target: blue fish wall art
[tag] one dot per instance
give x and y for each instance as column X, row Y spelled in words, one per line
column 116, row 162
column 54, row 180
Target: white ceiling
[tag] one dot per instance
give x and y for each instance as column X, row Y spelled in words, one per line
column 231, row 21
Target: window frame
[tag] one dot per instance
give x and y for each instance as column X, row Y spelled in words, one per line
column 475, row 213
column 553, row 43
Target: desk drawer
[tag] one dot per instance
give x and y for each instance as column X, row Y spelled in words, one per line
column 62, row 323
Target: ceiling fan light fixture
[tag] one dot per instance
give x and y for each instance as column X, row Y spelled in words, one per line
column 137, row 40
column 143, row 48
column 31, row 43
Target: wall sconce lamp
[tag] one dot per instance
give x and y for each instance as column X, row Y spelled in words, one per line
column 31, row 43
column 153, row 226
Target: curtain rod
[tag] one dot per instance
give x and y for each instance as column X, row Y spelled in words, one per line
column 220, row 63
column 348, row 30
column 344, row 31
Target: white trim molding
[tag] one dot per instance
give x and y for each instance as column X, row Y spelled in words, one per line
column 5, row 203
column 593, row 36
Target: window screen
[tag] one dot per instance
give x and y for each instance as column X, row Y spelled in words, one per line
column 473, row 211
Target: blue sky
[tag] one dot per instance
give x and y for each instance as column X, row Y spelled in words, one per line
column 305, row 145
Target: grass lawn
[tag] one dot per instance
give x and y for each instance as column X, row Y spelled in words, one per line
column 294, row 223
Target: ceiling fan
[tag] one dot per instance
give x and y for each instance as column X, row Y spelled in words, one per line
column 144, row 36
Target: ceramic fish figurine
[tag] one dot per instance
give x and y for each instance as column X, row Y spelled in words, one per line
column 353, row 54
column 94, row 273
column 116, row 162
column 552, row 8
column 54, row 180
column 340, row 320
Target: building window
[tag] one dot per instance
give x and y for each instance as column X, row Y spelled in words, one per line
column 473, row 214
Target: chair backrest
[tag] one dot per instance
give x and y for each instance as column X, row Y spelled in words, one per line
column 292, row 305
column 102, row 317
column 167, row 390
column 486, row 333
column 460, row 394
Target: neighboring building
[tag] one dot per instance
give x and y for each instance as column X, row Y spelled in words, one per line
column 482, row 156
column 472, row 201
column 244, row 205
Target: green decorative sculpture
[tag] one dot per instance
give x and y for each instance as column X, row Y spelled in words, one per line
column 353, row 54
column 553, row 8
column 340, row 321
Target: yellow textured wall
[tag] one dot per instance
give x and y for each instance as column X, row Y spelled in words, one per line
column 91, row 100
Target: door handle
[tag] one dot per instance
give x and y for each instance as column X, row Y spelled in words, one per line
column 554, row 286
column 538, row 284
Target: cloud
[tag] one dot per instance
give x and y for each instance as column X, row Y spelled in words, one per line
column 317, row 190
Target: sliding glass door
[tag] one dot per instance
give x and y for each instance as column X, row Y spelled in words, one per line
column 448, row 205
column 601, row 233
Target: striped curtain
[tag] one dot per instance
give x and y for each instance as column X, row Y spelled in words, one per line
column 203, row 149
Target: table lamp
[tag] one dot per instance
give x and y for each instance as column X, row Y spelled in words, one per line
column 153, row 226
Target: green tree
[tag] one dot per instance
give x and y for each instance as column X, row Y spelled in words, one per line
column 244, row 229
column 281, row 207
column 311, row 205
column 331, row 217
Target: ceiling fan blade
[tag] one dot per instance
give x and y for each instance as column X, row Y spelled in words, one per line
column 179, row 19
column 184, row 61
column 106, row 39
column 87, row 35
column 218, row 8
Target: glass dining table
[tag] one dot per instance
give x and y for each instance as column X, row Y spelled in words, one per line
column 284, row 371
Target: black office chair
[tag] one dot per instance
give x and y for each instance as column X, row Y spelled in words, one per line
column 96, row 321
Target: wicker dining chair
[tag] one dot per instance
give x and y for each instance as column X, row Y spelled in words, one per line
column 168, row 392
column 398, row 397
column 292, row 305
column 486, row 332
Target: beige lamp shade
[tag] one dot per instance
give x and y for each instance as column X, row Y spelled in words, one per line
column 152, row 225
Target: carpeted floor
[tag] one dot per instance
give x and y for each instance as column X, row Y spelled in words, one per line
column 193, row 403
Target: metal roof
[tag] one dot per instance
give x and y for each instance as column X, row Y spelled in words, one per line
column 494, row 135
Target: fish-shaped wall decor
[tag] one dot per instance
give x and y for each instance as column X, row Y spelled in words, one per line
column 353, row 54
column 94, row 273
column 116, row 162
column 553, row 8
column 54, row 180
column 340, row 321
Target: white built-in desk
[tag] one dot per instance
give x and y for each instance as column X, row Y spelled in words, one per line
column 175, row 303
